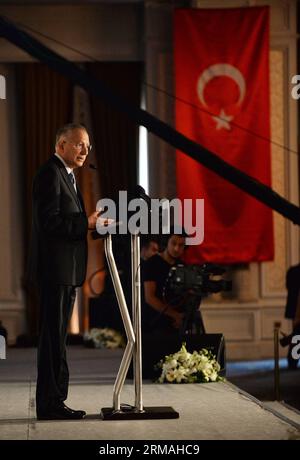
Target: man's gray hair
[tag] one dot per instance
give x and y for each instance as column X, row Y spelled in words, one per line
column 66, row 128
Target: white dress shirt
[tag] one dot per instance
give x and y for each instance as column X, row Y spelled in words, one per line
column 69, row 170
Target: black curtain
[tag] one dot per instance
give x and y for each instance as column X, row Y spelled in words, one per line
column 115, row 135
column 116, row 147
column 45, row 100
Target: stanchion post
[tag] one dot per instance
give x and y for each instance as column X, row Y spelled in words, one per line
column 277, row 326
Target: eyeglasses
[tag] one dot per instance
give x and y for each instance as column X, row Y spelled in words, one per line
column 80, row 146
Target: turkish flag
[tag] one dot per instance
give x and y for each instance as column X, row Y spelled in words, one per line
column 222, row 102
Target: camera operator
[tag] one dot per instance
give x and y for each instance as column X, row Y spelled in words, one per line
column 149, row 247
column 157, row 315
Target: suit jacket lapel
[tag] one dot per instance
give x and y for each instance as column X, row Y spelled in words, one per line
column 64, row 174
column 79, row 196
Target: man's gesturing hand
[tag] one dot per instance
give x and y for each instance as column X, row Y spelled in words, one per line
column 92, row 219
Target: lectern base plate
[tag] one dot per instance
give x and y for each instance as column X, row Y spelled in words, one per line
column 109, row 413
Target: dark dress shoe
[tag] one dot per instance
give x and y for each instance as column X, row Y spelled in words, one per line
column 292, row 367
column 61, row 412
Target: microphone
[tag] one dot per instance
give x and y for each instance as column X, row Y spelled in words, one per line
column 93, row 167
column 139, row 192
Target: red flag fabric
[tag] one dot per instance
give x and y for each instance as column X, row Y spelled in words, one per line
column 222, row 102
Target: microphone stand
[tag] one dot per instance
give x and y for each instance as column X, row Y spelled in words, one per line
column 133, row 350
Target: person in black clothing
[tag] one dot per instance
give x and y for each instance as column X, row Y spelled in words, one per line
column 157, row 315
column 292, row 311
column 149, row 247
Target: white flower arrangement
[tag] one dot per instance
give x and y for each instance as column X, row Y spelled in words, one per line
column 184, row 367
column 104, row 338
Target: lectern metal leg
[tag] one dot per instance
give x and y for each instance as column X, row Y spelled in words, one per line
column 125, row 363
column 133, row 348
column 136, row 302
column 133, row 309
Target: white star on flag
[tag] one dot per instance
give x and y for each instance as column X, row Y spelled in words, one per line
column 223, row 121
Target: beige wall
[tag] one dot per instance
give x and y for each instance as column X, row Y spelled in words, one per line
column 257, row 313
column 103, row 32
column 126, row 32
column 248, row 315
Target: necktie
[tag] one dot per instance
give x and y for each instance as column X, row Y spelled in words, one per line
column 72, row 179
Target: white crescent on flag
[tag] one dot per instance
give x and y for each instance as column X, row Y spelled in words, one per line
column 219, row 70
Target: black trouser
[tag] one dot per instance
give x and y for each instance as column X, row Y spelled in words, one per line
column 56, row 306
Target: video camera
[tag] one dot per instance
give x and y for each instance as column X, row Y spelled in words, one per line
column 196, row 279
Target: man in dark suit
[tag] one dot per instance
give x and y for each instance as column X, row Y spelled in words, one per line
column 58, row 264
